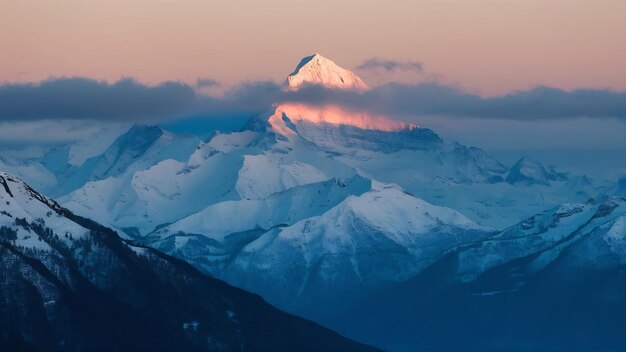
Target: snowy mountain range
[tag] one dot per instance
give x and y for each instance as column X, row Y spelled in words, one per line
column 318, row 208
column 68, row 283
column 554, row 282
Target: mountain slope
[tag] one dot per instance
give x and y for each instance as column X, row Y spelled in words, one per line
column 59, row 271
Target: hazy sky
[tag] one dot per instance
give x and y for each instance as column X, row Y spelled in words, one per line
column 488, row 47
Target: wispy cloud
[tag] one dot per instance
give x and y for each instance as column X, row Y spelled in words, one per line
column 204, row 82
column 376, row 63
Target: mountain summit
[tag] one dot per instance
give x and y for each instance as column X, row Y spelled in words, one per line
column 527, row 171
column 318, row 70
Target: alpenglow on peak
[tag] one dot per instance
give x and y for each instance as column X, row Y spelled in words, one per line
column 318, row 70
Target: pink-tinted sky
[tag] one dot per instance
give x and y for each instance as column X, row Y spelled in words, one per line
column 487, row 46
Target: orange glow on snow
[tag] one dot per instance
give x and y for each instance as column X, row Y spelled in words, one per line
column 332, row 114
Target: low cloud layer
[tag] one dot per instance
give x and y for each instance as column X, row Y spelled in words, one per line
column 128, row 100
column 432, row 99
column 81, row 98
column 67, row 110
column 125, row 100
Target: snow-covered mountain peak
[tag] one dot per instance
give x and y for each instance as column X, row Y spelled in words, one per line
column 318, row 70
column 529, row 172
column 331, row 123
column 139, row 134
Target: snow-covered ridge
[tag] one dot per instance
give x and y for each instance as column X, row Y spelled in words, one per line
column 547, row 235
column 20, row 201
column 335, row 115
column 325, row 237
